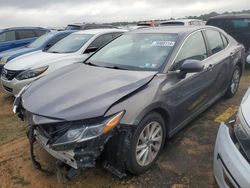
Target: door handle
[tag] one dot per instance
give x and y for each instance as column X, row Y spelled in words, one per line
column 210, row 67
column 232, row 54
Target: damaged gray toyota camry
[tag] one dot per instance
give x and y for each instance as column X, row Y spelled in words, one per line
column 128, row 98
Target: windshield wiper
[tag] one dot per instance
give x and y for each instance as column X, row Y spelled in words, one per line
column 109, row 67
column 91, row 64
column 54, row 52
column 115, row 67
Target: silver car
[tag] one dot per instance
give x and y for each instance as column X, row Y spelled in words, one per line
column 128, row 98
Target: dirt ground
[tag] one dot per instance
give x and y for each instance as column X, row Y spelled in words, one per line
column 185, row 162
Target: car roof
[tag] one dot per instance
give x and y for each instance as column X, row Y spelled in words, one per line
column 99, row 31
column 19, row 28
column 172, row 29
column 88, row 24
column 231, row 16
column 181, row 20
column 61, row 32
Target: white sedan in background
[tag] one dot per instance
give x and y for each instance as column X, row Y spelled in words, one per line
column 74, row 48
column 232, row 150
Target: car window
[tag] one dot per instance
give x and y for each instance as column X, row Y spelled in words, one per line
column 56, row 39
column 24, row 34
column 40, row 40
column 115, row 35
column 172, row 23
column 40, row 32
column 240, row 24
column 224, row 39
column 70, row 44
column 193, row 48
column 73, row 27
column 7, row 36
column 101, row 40
column 95, row 26
column 231, row 25
column 214, row 41
column 136, row 51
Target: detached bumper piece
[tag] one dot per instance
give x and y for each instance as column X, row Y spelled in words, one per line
column 33, row 158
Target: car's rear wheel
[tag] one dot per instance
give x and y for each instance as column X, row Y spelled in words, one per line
column 234, row 82
column 146, row 144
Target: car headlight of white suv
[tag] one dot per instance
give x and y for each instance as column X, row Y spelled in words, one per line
column 31, row 73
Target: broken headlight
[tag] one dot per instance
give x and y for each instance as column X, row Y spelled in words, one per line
column 80, row 132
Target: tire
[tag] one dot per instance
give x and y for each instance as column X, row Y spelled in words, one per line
column 152, row 122
column 234, row 82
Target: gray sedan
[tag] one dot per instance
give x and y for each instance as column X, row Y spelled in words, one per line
column 132, row 95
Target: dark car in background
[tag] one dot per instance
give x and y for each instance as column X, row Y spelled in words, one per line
column 19, row 36
column 238, row 26
column 127, row 98
column 85, row 26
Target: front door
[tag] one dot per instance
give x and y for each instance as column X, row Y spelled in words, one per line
column 190, row 94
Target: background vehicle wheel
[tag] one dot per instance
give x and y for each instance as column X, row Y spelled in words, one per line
column 146, row 144
column 234, row 82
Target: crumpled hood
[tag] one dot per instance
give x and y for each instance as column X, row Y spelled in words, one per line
column 35, row 60
column 245, row 107
column 81, row 91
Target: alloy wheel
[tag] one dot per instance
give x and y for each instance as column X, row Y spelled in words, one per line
column 149, row 143
column 235, row 81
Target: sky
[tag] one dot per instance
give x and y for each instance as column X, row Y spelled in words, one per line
column 52, row 13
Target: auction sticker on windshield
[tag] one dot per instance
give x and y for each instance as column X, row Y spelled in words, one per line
column 163, row 43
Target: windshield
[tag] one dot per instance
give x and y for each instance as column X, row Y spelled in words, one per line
column 135, row 52
column 70, row 44
column 40, row 40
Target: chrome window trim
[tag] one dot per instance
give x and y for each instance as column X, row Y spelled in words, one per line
column 200, row 30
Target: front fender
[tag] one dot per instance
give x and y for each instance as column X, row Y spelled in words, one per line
column 139, row 104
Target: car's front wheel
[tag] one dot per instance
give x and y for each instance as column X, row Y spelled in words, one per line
column 234, row 82
column 146, row 144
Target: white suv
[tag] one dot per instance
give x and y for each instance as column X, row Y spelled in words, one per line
column 74, row 48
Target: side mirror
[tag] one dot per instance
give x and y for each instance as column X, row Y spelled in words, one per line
column 190, row 66
column 248, row 59
column 90, row 50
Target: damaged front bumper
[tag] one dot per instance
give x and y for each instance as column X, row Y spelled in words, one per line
column 82, row 157
column 64, row 156
column 86, row 149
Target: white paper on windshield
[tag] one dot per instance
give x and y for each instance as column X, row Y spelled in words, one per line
column 163, row 43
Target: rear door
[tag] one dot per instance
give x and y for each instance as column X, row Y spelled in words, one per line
column 7, row 40
column 24, row 37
